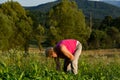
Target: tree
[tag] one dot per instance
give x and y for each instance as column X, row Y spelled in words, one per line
column 39, row 35
column 114, row 35
column 106, row 22
column 53, row 36
column 38, row 28
column 116, row 23
column 68, row 22
column 99, row 39
column 5, row 31
column 21, row 24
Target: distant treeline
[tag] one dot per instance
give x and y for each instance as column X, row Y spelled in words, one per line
column 19, row 27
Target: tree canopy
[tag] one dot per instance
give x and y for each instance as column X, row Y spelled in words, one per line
column 16, row 24
column 65, row 20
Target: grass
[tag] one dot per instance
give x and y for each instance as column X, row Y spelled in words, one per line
column 93, row 65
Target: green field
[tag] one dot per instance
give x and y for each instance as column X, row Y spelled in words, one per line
column 93, row 65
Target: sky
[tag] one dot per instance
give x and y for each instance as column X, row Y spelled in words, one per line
column 29, row 2
column 38, row 2
column 104, row 0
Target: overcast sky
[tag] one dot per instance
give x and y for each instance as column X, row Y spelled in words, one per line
column 37, row 2
column 29, row 2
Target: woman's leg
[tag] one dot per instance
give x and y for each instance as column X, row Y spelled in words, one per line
column 76, row 57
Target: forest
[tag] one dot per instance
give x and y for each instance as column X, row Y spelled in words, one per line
column 21, row 28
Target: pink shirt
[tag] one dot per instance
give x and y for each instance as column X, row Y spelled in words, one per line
column 69, row 43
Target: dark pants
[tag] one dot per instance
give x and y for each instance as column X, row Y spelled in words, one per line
column 66, row 63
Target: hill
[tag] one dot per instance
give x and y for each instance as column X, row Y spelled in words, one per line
column 116, row 3
column 98, row 9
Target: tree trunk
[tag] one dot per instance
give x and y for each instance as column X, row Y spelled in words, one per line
column 26, row 49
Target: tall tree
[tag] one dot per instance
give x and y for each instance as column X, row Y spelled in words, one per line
column 68, row 22
column 21, row 24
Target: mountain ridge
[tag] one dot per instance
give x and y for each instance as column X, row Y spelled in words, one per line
column 98, row 9
column 115, row 3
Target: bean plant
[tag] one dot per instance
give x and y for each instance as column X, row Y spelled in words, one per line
column 35, row 66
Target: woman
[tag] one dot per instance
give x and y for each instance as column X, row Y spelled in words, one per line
column 69, row 50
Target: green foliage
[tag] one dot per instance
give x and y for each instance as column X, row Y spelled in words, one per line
column 106, row 22
column 67, row 21
column 64, row 20
column 106, row 35
column 5, row 31
column 18, row 22
column 114, row 34
column 54, row 35
column 38, row 17
column 39, row 35
column 98, row 39
column 13, row 66
column 116, row 23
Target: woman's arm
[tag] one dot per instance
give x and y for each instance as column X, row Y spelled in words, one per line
column 66, row 52
column 57, row 61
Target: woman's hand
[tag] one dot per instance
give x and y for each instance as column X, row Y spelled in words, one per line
column 72, row 58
